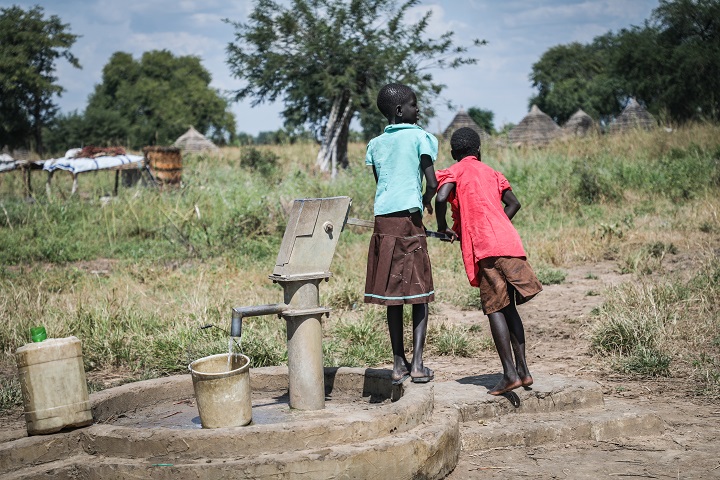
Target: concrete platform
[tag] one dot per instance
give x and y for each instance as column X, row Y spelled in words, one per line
column 147, row 429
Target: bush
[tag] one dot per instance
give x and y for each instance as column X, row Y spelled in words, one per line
column 264, row 162
column 592, row 183
column 648, row 362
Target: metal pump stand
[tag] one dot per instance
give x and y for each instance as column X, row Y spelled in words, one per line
column 304, row 259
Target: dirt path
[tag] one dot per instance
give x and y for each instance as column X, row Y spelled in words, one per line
column 557, row 343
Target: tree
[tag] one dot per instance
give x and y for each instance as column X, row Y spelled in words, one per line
column 327, row 59
column 30, row 46
column 484, row 118
column 154, row 100
column 569, row 77
column 673, row 62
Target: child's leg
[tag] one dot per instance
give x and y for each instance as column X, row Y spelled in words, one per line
column 501, row 337
column 420, row 321
column 395, row 326
column 517, row 339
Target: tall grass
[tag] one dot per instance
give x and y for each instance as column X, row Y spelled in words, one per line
column 662, row 326
column 136, row 276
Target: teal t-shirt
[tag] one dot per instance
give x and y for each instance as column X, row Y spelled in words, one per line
column 396, row 157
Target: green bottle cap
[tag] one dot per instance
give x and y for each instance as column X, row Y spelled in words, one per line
column 38, row 334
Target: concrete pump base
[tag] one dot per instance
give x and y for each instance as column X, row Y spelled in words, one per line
column 150, row 429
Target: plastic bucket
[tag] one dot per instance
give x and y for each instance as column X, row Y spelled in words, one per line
column 222, row 392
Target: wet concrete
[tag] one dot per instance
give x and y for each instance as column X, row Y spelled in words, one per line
column 267, row 408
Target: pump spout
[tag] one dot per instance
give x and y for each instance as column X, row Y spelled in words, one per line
column 238, row 313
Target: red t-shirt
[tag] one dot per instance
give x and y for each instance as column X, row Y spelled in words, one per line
column 478, row 214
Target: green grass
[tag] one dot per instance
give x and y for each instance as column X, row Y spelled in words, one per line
column 550, row 276
column 453, row 341
column 665, row 326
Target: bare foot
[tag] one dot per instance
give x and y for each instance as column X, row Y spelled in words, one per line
column 526, row 381
column 505, row 385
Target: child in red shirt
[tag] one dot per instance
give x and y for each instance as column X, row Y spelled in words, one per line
column 492, row 251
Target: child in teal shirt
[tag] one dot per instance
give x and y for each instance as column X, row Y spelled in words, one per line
column 398, row 269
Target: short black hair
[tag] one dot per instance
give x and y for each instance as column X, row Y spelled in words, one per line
column 465, row 141
column 392, row 95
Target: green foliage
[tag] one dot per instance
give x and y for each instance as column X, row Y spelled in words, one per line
column 345, row 297
column 148, row 102
column 646, row 327
column 550, row 276
column 647, row 362
column 264, row 341
column 593, row 183
column 569, row 77
column 30, row 46
column 264, row 162
column 452, row 341
column 622, row 329
column 484, row 118
column 341, row 54
column 671, row 63
column 360, row 343
column 648, row 258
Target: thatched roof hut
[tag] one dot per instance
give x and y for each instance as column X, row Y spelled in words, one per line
column 194, row 142
column 462, row 119
column 579, row 125
column 536, row 128
column 633, row 116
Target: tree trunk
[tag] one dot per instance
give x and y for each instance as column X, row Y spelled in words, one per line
column 333, row 151
column 37, row 126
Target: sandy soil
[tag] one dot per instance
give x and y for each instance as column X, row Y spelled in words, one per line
column 690, row 446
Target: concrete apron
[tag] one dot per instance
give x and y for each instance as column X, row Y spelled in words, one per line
column 418, row 436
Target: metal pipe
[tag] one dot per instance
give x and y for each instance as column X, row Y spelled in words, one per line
column 238, row 313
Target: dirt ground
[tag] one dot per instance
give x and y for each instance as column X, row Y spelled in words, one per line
column 690, row 446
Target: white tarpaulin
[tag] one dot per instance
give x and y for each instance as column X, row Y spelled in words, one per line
column 79, row 165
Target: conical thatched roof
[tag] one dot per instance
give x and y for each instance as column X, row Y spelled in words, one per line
column 579, row 125
column 194, row 141
column 536, row 128
column 633, row 116
column 462, row 119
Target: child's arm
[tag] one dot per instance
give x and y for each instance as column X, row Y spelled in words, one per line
column 441, row 209
column 512, row 205
column 426, row 164
column 375, row 173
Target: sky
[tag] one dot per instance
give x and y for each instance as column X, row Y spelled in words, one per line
column 518, row 32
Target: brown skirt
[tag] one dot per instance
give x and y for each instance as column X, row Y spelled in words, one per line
column 398, row 268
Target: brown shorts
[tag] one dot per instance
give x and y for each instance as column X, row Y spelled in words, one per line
column 398, row 268
column 495, row 275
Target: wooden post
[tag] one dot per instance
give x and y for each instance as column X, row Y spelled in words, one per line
column 48, row 190
column 28, row 180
